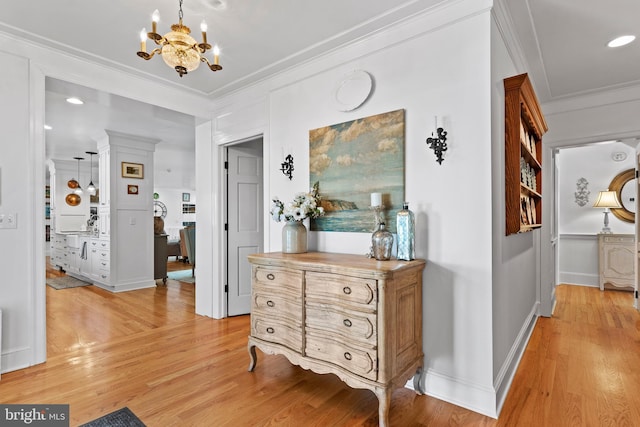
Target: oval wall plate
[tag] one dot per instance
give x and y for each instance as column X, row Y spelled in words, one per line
column 353, row 90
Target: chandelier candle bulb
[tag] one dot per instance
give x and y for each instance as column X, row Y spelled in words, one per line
column 155, row 18
column 203, row 28
column 216, row 55
column 143, row 40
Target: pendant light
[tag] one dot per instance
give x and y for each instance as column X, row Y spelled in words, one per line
column 91, row 189
column 78, row 189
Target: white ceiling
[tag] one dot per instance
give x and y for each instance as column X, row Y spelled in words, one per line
column 565, row 45
column 564, row 42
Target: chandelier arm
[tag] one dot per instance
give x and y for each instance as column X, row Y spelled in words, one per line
column 152, row 53
column 212, row 67
column 160, row 41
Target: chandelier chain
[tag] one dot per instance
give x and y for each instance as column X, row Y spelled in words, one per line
column 180, row 12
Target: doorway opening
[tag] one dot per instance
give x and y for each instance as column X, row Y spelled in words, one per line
column 73, row 133
column 582, row 173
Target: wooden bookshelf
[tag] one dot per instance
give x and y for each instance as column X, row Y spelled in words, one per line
column 524, row 127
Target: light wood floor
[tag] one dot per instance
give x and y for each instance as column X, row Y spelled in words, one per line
column 148, row 350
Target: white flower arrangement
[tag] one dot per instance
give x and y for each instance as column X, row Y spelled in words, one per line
column 304, row 205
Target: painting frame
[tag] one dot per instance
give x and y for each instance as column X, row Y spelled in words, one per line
column 132, row 189
column 186, row 197
column 351, row 160
column 132, row 170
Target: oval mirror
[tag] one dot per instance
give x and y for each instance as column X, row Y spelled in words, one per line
column 623, row 185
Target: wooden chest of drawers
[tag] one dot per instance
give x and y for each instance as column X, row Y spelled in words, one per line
column 355, row 317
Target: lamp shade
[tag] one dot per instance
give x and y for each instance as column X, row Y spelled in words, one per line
column 607, row 199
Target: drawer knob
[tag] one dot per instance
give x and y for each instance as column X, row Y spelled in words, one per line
column 270, row 330
column 271, row 303
column 347, row 323
column 347, row 355
column 346, row 290
column 270, row 276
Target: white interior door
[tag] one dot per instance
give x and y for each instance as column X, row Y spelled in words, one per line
column 245, row 221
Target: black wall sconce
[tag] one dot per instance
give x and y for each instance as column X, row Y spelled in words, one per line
column 287, row 166
column 438, row 144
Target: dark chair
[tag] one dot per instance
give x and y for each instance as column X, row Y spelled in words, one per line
column 173, row 249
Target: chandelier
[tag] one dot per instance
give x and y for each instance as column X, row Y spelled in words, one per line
column 178, row 49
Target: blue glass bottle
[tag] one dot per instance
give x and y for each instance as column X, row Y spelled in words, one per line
column 405, row 225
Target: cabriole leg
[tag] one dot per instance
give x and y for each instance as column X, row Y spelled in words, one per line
column 252, row 355
column 418, row 385
column 384, row 401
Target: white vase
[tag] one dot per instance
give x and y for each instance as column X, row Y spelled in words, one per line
column 294, row 238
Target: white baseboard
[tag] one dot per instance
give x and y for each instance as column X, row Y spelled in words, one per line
column 474, row 397
column 505, row 376
column 478, row 398
column 123, row 287
column 13, row 360
column 579, row 279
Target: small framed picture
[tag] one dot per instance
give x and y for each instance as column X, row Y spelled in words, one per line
column 47, row 211
column 186, row 197
column 47, row 192
column 132, row 189
column 132, row 170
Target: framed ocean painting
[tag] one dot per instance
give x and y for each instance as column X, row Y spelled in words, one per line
column 350, row 161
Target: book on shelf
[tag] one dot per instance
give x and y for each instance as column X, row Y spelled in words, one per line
column 533, row 146
column 533, row 211
column 527, row 210
column 524, row 216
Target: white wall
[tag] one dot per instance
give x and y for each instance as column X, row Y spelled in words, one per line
column 175, row 169
column 515, row 263
column 578, row 259
column 594, row 163
column 17, row 300
column 413, row 68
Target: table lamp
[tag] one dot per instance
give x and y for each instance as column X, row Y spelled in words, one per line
column 607, row 200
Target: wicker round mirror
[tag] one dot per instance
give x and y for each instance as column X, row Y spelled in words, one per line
column 623, row 185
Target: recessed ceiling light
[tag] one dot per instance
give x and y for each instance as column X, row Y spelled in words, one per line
column 47, row 127
column 621, row 41
column 75, row 101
